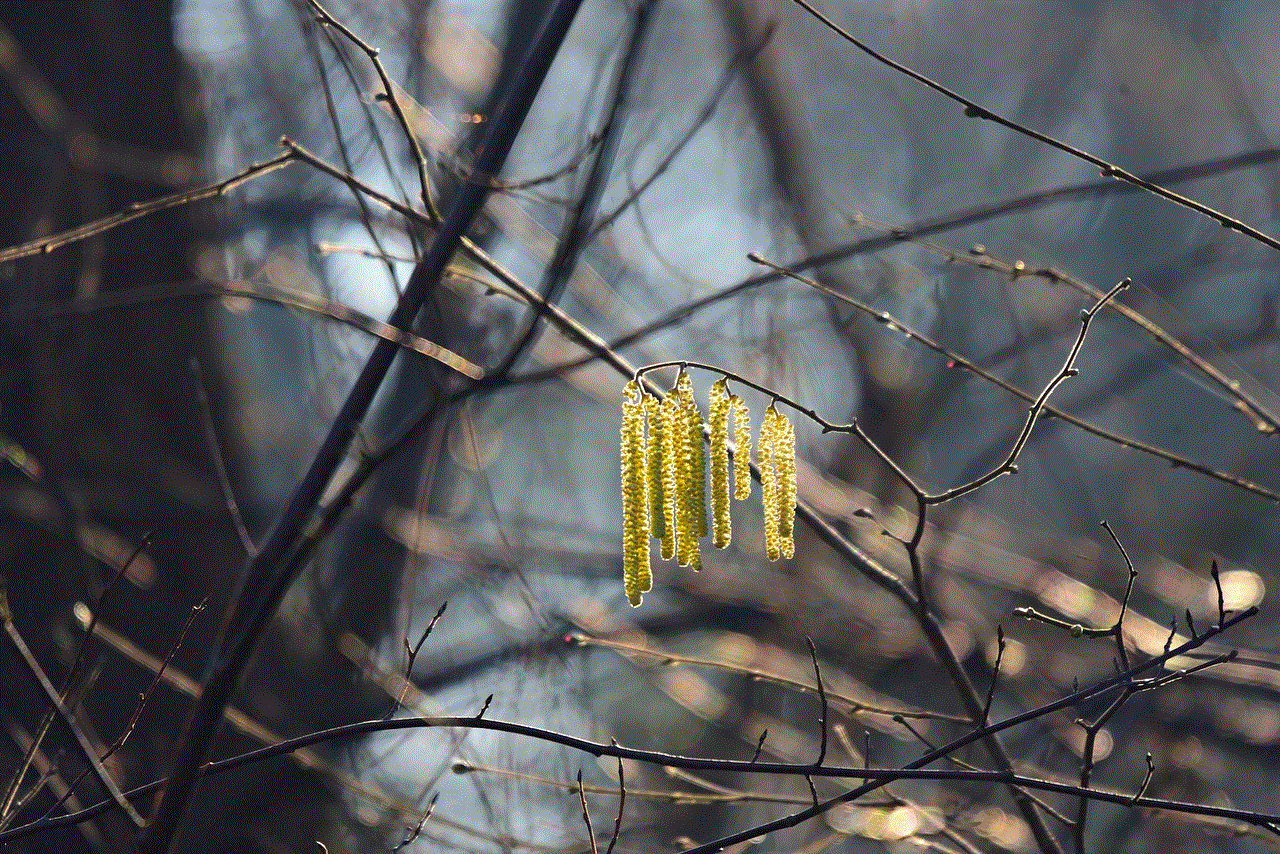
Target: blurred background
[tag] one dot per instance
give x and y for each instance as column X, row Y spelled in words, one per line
column 737, row 126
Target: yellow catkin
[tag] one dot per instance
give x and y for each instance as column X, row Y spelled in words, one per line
column 785, row 466
column 656, row 461
column 718, row 423
column 691, row 514
column 768, row 448
column 697, row 465
column 673, row 442
column 741, row 448
column 635, row 498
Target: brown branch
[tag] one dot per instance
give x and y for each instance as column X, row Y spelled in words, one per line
column 1247, row 403
column 958, row 361
column 1108, row 170
column 137, row 210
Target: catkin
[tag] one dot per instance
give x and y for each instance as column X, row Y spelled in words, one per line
column 741, row 448
column 698, row 467
column 673, row 443
column 657, row 454
column 691, row 512
column 635, row 500
column 786, row 468
column 718, row 423
column 768, row 448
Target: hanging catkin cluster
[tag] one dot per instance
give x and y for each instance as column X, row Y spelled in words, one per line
column 665, row 467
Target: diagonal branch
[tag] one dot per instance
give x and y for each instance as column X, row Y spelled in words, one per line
column 269, row 573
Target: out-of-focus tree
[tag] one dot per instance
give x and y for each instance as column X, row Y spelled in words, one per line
column 933, row 259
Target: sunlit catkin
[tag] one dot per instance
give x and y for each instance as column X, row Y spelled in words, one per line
column 656, row 461
column 669, row 412
column 785, row 465
column 691, row 511
column 768, row 450
column 698, row 468
column 635, row 500
column 741, row 448
column 718, row 424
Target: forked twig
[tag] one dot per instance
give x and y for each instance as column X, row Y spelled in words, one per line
column 411, row 655
column 87, row 749
column 419, row 160
column 142, row 701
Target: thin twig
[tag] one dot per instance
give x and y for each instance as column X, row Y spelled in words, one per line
column 1146, row 781
column 1247, row 403
column 219, row 461
column 906, row 724
column 77, row 661
column 575, row 232
column 47, row 769
column 877, row 776
column 622, row 802
column 743, row 56
column 916, row 770
column 1118, row 628
column 1088, row 752
column 586, row 815
column 913, row 232
column 1068, row 370
column 366, row 218
column 305, row 757
column 715, row 794
column 667, row 658
column 1217, row 583
column 301, row 300
column 416, row 831
column 142, row 701
column 955, row 360
column 995, row 674
column 509, row 185
column 822, row 707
